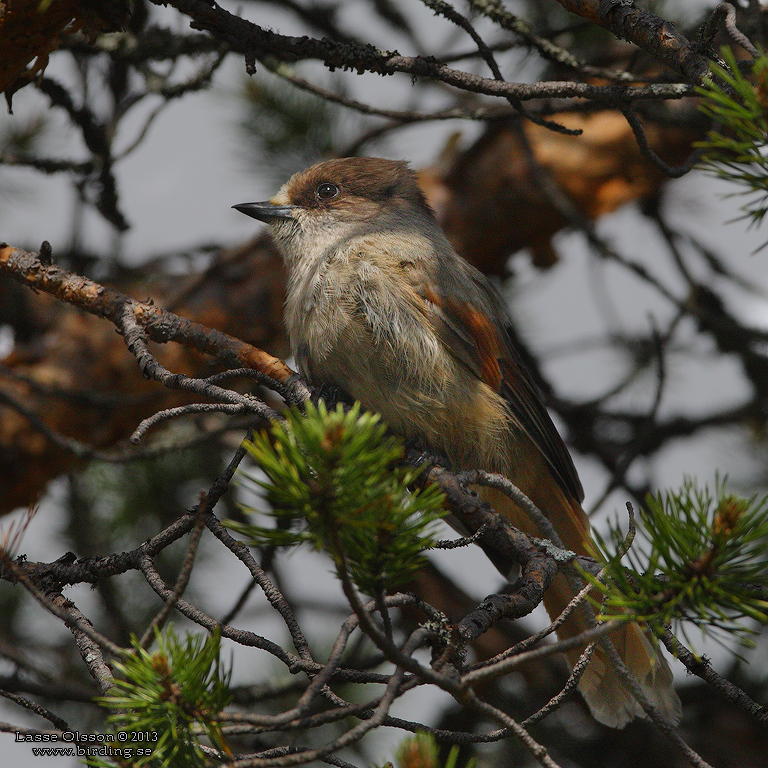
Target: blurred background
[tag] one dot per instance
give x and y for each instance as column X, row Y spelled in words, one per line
column 640, row 302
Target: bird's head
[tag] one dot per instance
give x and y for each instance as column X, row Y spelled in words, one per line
column 330, row 201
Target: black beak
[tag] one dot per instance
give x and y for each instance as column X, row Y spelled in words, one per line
column 265, row 211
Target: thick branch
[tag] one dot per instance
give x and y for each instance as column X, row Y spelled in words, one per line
column 646, row 30
column 255, row 43
column 158, row 324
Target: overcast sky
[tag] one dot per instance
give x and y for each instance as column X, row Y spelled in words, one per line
column 178, row 189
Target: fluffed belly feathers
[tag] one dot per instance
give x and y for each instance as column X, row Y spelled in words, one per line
column 376, row 345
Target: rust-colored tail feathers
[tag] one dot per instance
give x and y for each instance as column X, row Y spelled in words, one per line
column 608, row 699
column 600, row 685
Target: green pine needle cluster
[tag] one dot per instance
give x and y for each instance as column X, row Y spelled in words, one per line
column 704, row 560
column 175, row 693
column 423, row 751
column 333, row 481
column 737, row 150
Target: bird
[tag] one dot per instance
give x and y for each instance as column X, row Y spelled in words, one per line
column 380, row 306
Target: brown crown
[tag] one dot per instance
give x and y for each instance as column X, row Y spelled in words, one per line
column 370, row 178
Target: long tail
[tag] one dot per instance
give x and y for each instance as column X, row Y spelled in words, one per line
column 600, row 685
column 608, row 699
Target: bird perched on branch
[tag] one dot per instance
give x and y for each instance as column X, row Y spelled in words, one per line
column 380, row 306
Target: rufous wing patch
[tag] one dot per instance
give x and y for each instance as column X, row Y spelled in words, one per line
column 485, row 337
column 478, row 342
column 468, row 334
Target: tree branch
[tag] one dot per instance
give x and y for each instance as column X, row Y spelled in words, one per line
column 254, row 43
column 139, row 318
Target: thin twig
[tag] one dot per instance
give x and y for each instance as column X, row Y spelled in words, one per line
column 52, row 718
column 449, row 12
column 728, row 13
column 538, row 751
column 64, row 609
column 493, row 9
column 664, row 725
column 181, row 582
column 700, row 666
column 232, row 409
column 535, row 639
column 675, row 172
column 570, row 686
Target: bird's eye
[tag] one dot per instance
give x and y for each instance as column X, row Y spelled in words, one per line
column 327, row 191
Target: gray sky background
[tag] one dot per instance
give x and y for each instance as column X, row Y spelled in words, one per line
column 178, row 189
